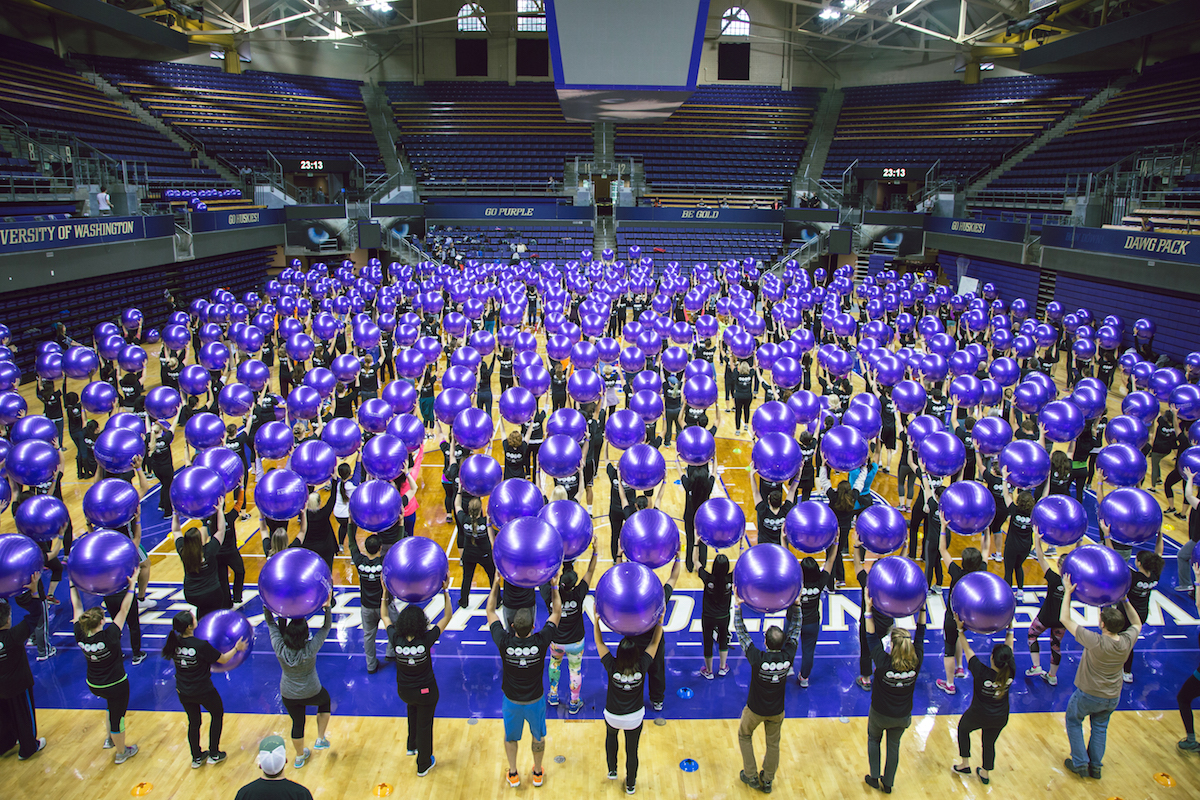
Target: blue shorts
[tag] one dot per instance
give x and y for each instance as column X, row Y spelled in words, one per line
column 517, row 714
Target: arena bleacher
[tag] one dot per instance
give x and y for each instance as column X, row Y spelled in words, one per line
column 690, row 246
column 486, row 134
column 543, row 243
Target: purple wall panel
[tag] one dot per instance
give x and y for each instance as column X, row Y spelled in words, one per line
column 1011, row 280
column 1177, row 314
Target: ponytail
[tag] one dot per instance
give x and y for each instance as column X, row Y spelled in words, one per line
column 904, row 655
column 1002, row 662
column 179, row 625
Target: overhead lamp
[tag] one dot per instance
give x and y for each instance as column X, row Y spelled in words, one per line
column 829, row 13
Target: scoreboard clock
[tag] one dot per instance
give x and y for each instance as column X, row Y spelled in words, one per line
column 317, row 164
column 888, row 173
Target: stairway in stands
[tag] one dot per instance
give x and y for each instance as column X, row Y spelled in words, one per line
column 820, row 137
column 1069, row 121
column 1047, row 282
column 604, row 236
column 154, row 122
column 383, row 126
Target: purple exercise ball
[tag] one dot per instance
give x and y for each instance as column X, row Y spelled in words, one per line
column 415, row 569
column 294, row 583
column 629, row 598
column 102, row 562
column 1027, row 462
column 811, row 526
column 280, row 494
column 20, row 560
column 528, row 551
column 720, row 522
column 479, row 474
column 768, row 578
column 968, row 507
column 196, row 492
column 881, row 529
column 776, row 457
column 695, row 445
column 844, row 448
column 983, row 601
column 42, row 517
column 1060, row 519
column 1133, row 515
column 573, row 523
column 642, row 467
column 512, row 499
column 1121, row 464
column 896, row 586
column 223, row 629
column 651, row 537
column 110, row 503
column 1100, row 576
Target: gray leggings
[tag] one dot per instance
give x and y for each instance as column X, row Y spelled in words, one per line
column 1185, row 564
column 906, row 481
column 894, row 726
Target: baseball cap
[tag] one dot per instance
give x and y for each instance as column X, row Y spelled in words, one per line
column 272, row 755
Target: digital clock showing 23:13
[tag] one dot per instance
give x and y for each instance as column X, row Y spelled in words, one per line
column 894, row 172
column 306, row 164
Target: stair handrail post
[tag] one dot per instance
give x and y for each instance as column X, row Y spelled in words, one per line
column 847, row 178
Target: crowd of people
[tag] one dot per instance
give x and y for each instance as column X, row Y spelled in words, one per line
column 891, row 656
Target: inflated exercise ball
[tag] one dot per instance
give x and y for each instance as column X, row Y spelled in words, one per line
column 375, row 505
column 117, row 448
column 647, row 404
column 33, row 462
column 42, row 517
column 787, row 372
column 194, row 380
column 275, row 440
column 48, row 366
column 573, row 523
column 864, row 418
column 449, row 403
column 1189, row 460
column 280, row 494
column 480, row 474
column 720, row 522
column 568, row 421
column 700, row 391
column 651, row 537
column 528, row 551
column 983, row 601
column 641, row 466
column 767, row 578
column 97, row 397
column 102, row 562
column 131, row 358
column 629, row 598
column 214, row 355
column 5, row 487
column 127, row 421
column 843, row 447
column 225, row 463
column 163, row 402
column 460, row 378
column 909, row 397
column 560, row 456
column 196, row 492
column 21, row 559
column 1061, row 519
column 1133, row 515
column 10, row 378
column 1121, row 464
column 1062, row 421
column 517, row 405
column 295, row 582
column 1186, row 400
column 254, row 374
column 80, row 362
column 314, row 461
column 585, row 386
column 811, row 526
column 1100, row 576
column 942, row 454
column 1028, row 463
column 202, row 431
column 384, row 457
column 401, row 396
column 375, row 414
column 805, row 405
column 473, row 428
column 695, row 445
column 991, row 435
column 223, row 629
column 341, row 434
column 624, row 428
column 776, row 456
column 410, row 363
column 514, row 498
column 968, row 507
column 1142, row 405
column 415, row 569
column 1163, row 382
column 773, row 417
column 34, row 426
column 881, row 528
column 896, row 586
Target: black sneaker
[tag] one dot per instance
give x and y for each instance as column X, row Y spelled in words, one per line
column 216, row 756
column 657, row 706
column 749, row 780
column 1094, row 771
column 1070, row 765
column 764, row 785
column 198, row 761
column 138, row 658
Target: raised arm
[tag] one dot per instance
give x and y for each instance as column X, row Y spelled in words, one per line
column 493, row 599
column 556, row 603
column 656, row 640
column 591, row 567
column 127, row 602
column 447, row 609
column 1064, row 613
column 601, row 648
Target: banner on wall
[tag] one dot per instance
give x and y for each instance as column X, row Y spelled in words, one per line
column 762, row 216
column 505, row 212
column 206, row 221
column 21, row 237
column 978, row 228
column 1145, row 245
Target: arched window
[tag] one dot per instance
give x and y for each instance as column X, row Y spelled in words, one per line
column 531, row 15
column 472, row 19
column 735, row 22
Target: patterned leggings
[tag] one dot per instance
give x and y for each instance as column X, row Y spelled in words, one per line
column 574, row 654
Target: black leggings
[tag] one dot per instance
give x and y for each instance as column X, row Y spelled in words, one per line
column 1187, row 695
column 472, row 557
column 132, row 621
column 117, row 698
column 741, row 410
column 232, row 561
column 710, row 624
column 208, row 602
column 295, row 709
column 689, row 530
column 933, row 558
column 974, row 720
column 451, row 491
column 1015, row 554
column 631, row 751
column 343, row 528
column 421, row 711
column 615, row 522
column 1174, row 477
column 1080, row 478
column 211, row 701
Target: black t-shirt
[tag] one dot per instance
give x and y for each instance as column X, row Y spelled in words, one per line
column 162, row 448
column 810, row 598
column 52, row 403
column 513, row 596
column 744, row 385
column 558, row 384
column 368, row 378
column 516, row 460
column 625, row 691
column 570, row 484
column 75, row 417
column 570, row 625
column 717, row 596
column 768, row 673
column 672, row 392
column 1052, row 606
column 204, row 580
column 193, row 661
column 263, row 789
column 1139, row 591
column 1020, row 523
column 103, row 653
column 936, row 407
column 414, row 660
column 474, row 531
column 524, row 660
column 694, row 415
column 990, row 697
column 370, row 576
column 770, row 522
column 892, row 689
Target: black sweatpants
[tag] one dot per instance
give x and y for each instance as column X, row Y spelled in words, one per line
column 18, row 721
column 211, row 702
column 631, row 751
column 113, row 604
column 421, row 711
column 721, row 626
column 975, row 720
column 470, row 558
column 232, row 561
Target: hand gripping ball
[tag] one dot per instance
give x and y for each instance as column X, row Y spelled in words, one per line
column 983, row 601
column 768, row 578
column 223, row 629
column 528, row 551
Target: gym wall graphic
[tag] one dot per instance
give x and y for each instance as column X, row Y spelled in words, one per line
column 330, row 235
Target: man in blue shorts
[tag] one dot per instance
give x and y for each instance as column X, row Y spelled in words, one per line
column 523, row 654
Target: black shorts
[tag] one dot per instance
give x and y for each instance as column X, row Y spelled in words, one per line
column 887, row 437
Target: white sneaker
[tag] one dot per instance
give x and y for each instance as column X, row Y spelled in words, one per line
column 1020, row 594
column 1127, row 677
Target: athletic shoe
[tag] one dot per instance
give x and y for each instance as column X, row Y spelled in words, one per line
column 199, row 760
column 1051, row 550
column 630, row 788
column 42, row 746
column 657, row 706
column 839, row 585
column 147, row 603
column 1035, row 672
column 749, row 780
column 1070, row 766
column 216, row 756
column 1192, row 746
column 321, row 743
column 108, row 743
column 52, row 600
column 764, row 785
column 130, row 752
column 538, row 778
column 514, row 779
column 50, row 654
column 612, row 774
column 706, row 673
column 373, row 669
column 1094, row 771
column 723, row 671
column 959, row 672
column 1020, row 595
column 863, row 682
column 575, row 707
column 948, row 688
column 1127, row 677
column 803, row 682
column 432, row 764
column 302, row 759
column 1050, row 679
column 552, row 698
column 138, row 658
column 412, row 752
column 931, row 592
column 998, row 558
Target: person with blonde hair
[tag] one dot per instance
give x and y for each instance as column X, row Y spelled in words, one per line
column 891, row 692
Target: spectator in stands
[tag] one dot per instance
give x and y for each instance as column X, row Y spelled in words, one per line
column 104, row 202
column 194, row 155
column 1147, row 224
